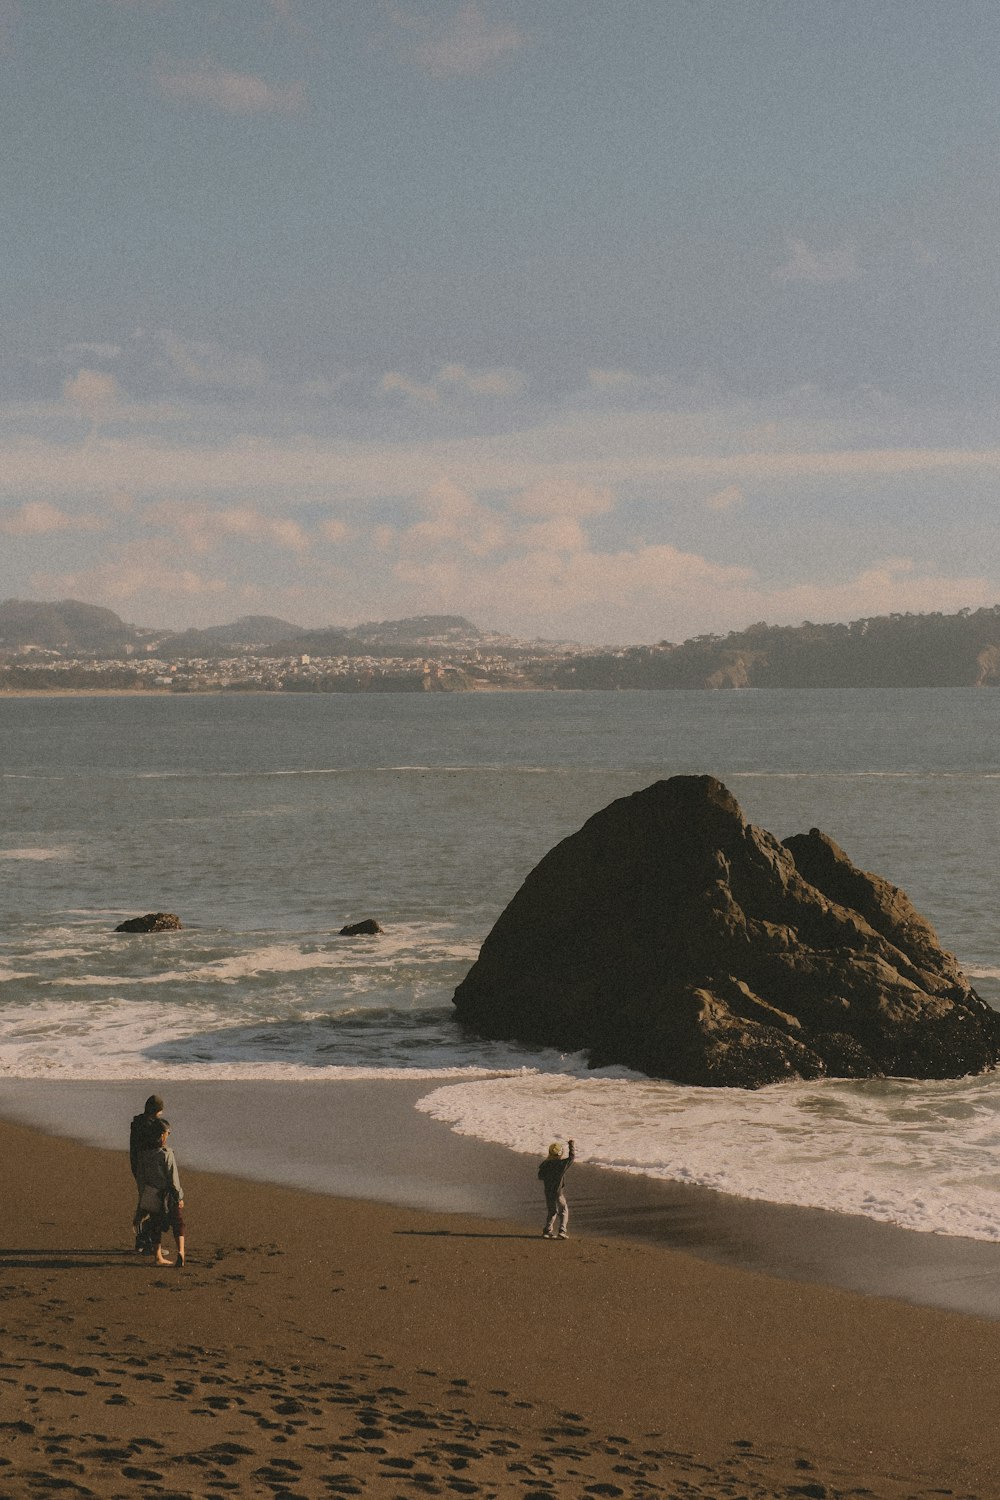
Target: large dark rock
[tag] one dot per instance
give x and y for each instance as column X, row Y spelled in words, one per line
column 153, row 921
column 672, row 936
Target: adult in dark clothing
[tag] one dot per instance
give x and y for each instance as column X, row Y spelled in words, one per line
column 552, row 1173
column 144, row 1135
column 161, row 1194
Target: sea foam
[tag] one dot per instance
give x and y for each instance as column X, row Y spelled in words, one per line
column 916, row 1154
column 59, row 851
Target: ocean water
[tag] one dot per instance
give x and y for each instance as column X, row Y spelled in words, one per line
column 267, row 823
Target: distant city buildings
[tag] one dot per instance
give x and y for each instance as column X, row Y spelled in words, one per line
column 72, row 647
column 69, row 646
column 33, row 668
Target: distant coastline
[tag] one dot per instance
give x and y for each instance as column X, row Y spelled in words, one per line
column 71, row 647
column 62, row 692
column 209, row 692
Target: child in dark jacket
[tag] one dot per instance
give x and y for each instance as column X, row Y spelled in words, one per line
column 552, row 1173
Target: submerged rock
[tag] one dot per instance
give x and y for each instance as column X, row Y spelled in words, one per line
column 153, row 921
column 368, row 928
column 672, row 936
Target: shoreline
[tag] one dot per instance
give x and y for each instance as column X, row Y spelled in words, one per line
column 90, row 693
column 365, row 1139
column 254, row 692
column 317, row 1344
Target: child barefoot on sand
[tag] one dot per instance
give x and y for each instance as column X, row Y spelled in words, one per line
column 551, row 1173
column 161, row 1194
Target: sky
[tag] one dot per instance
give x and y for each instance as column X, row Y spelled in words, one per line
column 599, row 320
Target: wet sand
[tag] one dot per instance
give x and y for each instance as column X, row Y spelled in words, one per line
column 319, row 1345
column 365, row 1139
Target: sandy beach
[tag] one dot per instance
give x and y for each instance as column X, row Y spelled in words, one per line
column 143, row 692
column 318, row 1344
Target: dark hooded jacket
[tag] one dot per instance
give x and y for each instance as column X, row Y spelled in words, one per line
column 552, row 1171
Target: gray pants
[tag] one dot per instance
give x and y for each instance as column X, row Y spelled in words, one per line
column 556, row 1214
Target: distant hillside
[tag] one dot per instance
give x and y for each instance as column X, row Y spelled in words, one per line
column 62, row 625
column 418, row 630
column 419, row 635
column 933, row 650
column 222, row 640
column 334, row 641
column 253, row 630
column 86, row 630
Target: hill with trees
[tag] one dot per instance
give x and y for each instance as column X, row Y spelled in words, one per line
column 67, row 624
column 897, row 650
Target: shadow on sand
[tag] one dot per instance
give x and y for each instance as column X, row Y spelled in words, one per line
column 68, row 1260
column 465, row 1234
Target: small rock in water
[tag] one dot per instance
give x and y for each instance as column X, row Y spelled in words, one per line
column 368, row 928
column 153, row 921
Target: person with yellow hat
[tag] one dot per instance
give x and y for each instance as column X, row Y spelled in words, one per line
column 552, row 1173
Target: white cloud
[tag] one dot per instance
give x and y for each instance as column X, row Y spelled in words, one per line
column 39, row 518
column 202, row 363
column 591, row 595
column 461, row 44
column 86, row 350
column 453, row 520
column 449, row 501
column 730, row 498
column 232, row 93
column 600, row 379
column 561, row 534
column 563, row 497
column 200, row 530
column 503, row 381
column 282, row 531
column 649, row 592
column 889, row 586
column 532, row 575
column 493, row 525
column 457, row 380
column 536, row 563
column 806, row 264
column 395, row 382
column 335, row 530
column 549, row 459
column 93, row 393
column 131, row 579
column 646, row 572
